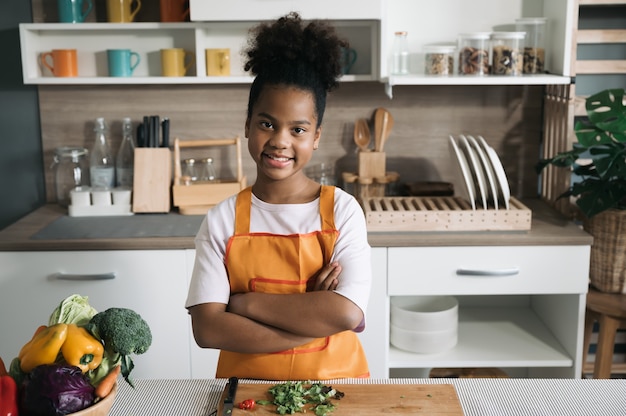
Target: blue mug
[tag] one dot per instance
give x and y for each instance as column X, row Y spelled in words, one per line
column 73, row 11
column 121, row 62
column 348, row 58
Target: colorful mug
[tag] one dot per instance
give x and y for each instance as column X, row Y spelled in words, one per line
column 217, row 62
column 64, row 62
column 174, row 10
column 73, row 11
column 176, row 62
column 121, row 11
column 121, row 62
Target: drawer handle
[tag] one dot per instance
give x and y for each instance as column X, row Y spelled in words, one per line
column 86, row 277
column 501, row 272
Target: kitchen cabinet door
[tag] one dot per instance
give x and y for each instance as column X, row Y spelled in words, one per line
column 151, row 282
column 203, row 10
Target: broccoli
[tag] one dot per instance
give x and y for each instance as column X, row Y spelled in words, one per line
column 123, row 332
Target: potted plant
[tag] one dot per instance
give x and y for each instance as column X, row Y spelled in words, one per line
column 600, row 188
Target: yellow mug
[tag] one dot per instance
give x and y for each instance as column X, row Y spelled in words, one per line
column 64, row 62
column 121, row 11
column 217, row 62
column 175, row 62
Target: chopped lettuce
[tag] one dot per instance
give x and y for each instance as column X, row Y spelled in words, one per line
column 74, row 309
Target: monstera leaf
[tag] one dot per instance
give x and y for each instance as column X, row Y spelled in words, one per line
column 602, row 139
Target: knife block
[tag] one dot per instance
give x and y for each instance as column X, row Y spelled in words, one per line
column 371, row 164
column 152, row 178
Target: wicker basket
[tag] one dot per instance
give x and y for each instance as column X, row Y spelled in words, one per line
column 607, row 270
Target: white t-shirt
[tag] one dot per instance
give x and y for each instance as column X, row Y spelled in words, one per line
column 209, row 281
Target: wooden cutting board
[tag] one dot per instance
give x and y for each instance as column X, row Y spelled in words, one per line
column 368, row 400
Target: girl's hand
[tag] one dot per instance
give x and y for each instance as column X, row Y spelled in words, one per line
column 327, row 278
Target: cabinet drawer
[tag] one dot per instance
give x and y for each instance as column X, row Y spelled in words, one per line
column 488, row 270
column 151, row 282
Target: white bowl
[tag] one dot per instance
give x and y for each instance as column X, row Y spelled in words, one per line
column 423, row 342
column 425, row 313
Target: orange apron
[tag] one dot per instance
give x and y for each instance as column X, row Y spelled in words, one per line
column 269, row 263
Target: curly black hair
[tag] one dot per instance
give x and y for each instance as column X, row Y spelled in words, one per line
column 290, row 52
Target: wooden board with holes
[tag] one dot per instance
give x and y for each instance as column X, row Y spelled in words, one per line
column 369, row 400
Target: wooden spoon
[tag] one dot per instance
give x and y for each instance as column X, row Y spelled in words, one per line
column 383, row 123
column 362, row 134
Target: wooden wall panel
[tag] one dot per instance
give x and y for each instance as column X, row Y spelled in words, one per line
column 509, row 118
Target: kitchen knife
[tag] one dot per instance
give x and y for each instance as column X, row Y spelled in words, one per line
column 146, row 131
column 141, row 136
column 154, row 123
column 165, row 133
column 229, row 401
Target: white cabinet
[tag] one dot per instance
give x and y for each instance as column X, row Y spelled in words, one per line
column 519, row 307
column 91, row 41
column 271, row 9
column 151, row 282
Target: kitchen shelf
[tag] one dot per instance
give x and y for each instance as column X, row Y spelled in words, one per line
column 493, row 337
column 91, row 40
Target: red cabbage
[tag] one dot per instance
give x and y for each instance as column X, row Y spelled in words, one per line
column 55, row 390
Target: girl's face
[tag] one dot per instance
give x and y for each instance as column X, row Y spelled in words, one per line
column 282, row 132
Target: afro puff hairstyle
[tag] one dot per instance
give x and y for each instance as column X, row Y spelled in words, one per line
column 290, row 52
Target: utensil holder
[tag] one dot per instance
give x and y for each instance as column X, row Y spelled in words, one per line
column 152, row 179
column 371, row 164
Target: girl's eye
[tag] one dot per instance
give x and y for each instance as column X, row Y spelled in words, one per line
column 299, row 130
column 266, row 124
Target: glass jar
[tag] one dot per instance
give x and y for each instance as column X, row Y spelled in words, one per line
column 71, row 171
column 400, row 57
column 474, row 53
column 439, row 59
column 206, row 170
column 189, row 170
column 507, row 57
column 534, row 43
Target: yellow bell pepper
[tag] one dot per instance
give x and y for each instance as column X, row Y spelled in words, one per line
column 82, row 349
column 43, row 348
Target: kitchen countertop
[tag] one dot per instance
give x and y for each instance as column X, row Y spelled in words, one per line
column 548, row 228
column 478, row 396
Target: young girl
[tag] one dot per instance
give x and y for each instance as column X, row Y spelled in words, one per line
column 282, row 274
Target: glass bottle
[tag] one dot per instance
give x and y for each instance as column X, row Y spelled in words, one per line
column 124, row 163
column 400, row 61
column 189, row 170
column 101, row 162
column 71, row 171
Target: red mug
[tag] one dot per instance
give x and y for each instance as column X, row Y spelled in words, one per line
column 174, row 10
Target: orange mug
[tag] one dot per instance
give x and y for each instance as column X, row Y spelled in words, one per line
column 64, row 62
column 175, row 62
column 174, row 10
column 121, row 11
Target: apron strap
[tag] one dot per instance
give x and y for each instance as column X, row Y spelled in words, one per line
column 327, row 207
column 242, row 211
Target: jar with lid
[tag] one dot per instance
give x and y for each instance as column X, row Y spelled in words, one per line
column 439, row 59
column 206, row 170
column 71, row 171
column 507, row 53
column 400, row 56
column 189, row 170
column 534, row 43
column 474, row 53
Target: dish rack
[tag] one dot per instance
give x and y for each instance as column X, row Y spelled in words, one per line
column 442, row 214
column 196, row 198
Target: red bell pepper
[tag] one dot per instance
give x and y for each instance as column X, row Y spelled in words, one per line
column 8, row 393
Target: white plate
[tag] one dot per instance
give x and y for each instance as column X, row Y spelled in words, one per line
column 463, row 178
column 488, row 170
column 500, row 174
column 476, row 170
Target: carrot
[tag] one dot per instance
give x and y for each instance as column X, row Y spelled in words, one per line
column 106, row 384
column 3, row 369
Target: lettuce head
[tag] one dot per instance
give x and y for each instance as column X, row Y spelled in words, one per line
column 75, row 309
